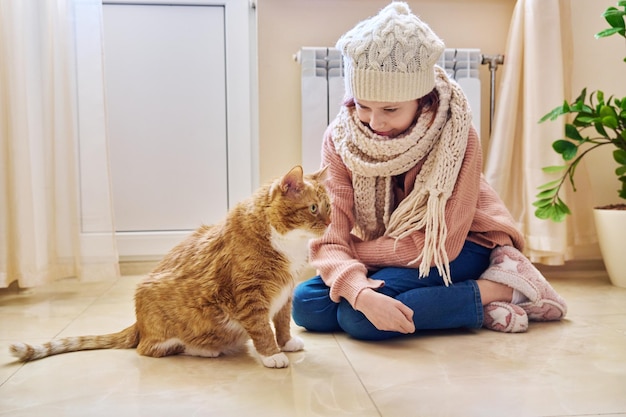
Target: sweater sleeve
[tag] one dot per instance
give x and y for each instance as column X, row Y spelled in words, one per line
column 333, row 254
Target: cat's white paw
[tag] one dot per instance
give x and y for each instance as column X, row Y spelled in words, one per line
column 278, row 360
column 293, row 345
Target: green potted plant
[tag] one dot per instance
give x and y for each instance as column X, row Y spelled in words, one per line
column 595, row 121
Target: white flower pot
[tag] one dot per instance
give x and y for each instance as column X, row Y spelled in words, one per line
column 611, row 229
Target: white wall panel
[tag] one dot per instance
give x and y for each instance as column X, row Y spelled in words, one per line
column 166, row 87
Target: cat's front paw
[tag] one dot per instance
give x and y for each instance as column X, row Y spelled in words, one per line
column 293, row 345
column 278, row 360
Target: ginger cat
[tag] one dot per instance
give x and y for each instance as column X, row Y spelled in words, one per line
column 225, row 283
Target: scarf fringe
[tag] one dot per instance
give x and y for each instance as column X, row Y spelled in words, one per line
column 435, row 234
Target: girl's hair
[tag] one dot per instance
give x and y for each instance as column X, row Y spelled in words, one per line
column 428, row 103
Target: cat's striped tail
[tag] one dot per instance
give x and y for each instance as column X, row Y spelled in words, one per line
column 126, row 339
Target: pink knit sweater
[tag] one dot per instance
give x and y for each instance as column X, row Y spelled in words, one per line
column 474, row 212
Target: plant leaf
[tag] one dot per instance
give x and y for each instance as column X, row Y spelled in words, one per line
column 558, row 211
column 543, row 202
column 614, row 17
column 566, row 148
column 610, row 121
column 600, row 129
column 608, row 32
column 550, row 184
column 620, row 156
column 563, row 207
column 582, row 96
column 572, row 133
column 543, row 213
column 558, row 216
column 552, row 169
column 556, row 112
column 584, row 120
column 547, row 193
column 608, row 111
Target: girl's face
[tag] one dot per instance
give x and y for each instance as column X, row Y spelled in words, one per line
column 386, row 119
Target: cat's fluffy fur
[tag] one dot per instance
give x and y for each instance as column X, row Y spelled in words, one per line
column 225, row 283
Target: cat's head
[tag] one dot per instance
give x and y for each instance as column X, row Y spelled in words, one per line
column 299, row 201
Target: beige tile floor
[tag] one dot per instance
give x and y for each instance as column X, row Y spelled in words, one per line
column 573, row 368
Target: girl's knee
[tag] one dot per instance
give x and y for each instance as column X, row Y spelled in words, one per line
column 355, row 324
column 310, row 292
column 312, row 307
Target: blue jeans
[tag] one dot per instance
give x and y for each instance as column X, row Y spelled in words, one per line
column 435, row 306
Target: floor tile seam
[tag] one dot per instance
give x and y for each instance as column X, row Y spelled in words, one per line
column 8, row 378
column 356, row 373
column 611, row 414
column 110, row 287
column 76, row 317
column 20, row 366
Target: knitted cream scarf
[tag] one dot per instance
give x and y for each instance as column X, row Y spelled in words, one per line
column 374, row 160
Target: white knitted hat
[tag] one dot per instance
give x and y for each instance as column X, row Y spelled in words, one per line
column 390, row 57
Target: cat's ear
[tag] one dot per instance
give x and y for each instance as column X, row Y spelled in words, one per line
column 321, row 175
column 293, row 182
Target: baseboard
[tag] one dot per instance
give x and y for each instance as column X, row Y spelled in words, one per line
column 143, row 267
column 591, row 266
column 574, row 269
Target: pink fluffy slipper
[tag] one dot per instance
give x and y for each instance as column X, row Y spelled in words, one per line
column 510, row 267
column 505, row 317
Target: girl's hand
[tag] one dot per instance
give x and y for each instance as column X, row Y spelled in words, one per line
column 384, row 312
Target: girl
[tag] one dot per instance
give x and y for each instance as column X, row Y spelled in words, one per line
column 418, row 239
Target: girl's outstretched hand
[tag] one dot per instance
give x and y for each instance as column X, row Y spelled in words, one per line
column 384, row 312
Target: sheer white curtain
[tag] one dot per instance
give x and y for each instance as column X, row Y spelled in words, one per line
column 41, row 237
column 535, row 79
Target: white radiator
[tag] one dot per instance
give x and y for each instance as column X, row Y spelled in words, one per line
column 322, row 91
